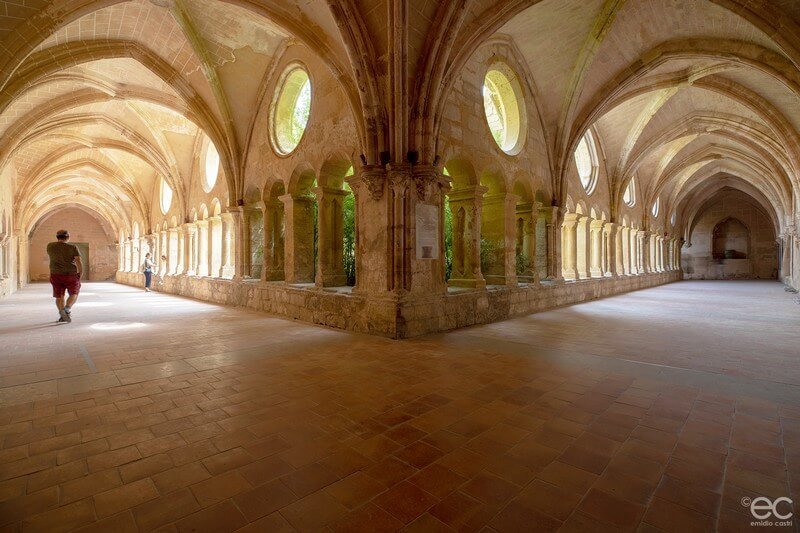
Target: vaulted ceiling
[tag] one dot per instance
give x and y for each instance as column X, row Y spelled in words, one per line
column 102, row 98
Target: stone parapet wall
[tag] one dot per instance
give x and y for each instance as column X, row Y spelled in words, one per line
column 389, row 317
column 458, row 310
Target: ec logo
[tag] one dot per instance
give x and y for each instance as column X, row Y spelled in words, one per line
column 763, row 508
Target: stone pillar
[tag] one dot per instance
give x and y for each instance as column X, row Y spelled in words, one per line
column 553, row 243
column 273, row 242
column 569, row 247
column 660, row 253
column 215, row 246
column 330, row 237
column 227, row 269
column 299, row 245
column 583, row 247
column 190, row 242
column 642, row 242
column 173, row 251
column 201, row 266
column 236, row 244
column 527, row 214
column 597, row 269
column 182, row 265
column 616, row 264
column 466, row 206
column 497, row 230
column 163, row 266
column 627, row 263
column 244, row 254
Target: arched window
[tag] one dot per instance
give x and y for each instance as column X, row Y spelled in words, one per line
column 656, row 207
column 629, row 196
column 673, row 218
column 291, row 110
column 504, row 108
column 586, row 162
column 211, row 167
column 166, row 196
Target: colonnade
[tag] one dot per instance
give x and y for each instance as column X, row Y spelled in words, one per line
column 596, row 248
column 201, row 248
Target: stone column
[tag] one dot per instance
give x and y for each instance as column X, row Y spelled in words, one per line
column 596, row 269
column 236, row 245
column 526, row 239
column 616, row 264
column 215, row 246
column 583, row 247
column 273, row 242
column 497, row 229
column 642, row 243
column 172, row 251
column 163, row 266
column 626, row 251
column 660, row 253
column 190, row 241
column 466, row 206
column 552, row 243
column 202, row 248
column 299, row 245
column 330, row 237
column 569, row 258
column 227, row 269
column 181, row 264
column 668, row 246
column 244, row 257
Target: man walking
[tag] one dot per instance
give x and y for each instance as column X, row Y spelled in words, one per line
column 65, row 273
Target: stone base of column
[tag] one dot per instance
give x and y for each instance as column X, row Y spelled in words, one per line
column 274, row 275
column 467, row 283
column 331, row 280
column 596, row 273
column 496, row 279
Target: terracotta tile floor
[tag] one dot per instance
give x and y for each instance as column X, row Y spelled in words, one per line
column 655, row 410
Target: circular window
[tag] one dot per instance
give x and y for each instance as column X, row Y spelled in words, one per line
column 211, row 170
column 656, row 207
column 504, row 108
column 586, row 162
column 629, row 196
column 291, row 109
column 166, row 196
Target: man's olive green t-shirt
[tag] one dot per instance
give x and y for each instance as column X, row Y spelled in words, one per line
column 62, row 257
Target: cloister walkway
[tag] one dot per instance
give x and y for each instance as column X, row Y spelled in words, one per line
column 664, row 407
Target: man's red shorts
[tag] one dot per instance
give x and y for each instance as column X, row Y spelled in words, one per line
column 65, row 282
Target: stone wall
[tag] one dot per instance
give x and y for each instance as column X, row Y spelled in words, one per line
column 389, row 317
column 752, row 238
column 83, row 228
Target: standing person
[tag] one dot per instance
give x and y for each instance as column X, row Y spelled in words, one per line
column 147, row 268
column 66, row 269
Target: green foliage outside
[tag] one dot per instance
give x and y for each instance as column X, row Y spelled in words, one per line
column 315, row 213
column 302, row 109
column 448, row 240
column 524, row 265
column 488, row 255
column 349, row 252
